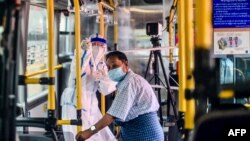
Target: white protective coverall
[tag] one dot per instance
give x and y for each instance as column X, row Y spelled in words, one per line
column 94, row 77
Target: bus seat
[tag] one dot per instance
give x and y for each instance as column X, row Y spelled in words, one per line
column 30, row 137
column 44, row 136
column 216, row 125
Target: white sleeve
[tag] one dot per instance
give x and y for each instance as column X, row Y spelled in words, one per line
column 84, row 56
column 106, row 86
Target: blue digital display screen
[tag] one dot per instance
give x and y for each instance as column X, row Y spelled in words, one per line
column 231, row 13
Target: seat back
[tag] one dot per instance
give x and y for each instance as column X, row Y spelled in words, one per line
column 32, row 137
column 216, row 126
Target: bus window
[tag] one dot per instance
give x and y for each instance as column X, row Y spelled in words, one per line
column 37, row 46
column 226, row 71
column 242, row 69
column 67, row 40
column 67, row 32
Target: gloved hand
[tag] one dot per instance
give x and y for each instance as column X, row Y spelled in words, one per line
column 98, row 75
column 86, row 44
column 101, row 71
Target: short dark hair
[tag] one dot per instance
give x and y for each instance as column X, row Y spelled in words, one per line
column 120, row 55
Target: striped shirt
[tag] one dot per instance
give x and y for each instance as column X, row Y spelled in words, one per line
column 134, row 97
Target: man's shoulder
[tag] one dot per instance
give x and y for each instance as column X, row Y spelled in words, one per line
column 133, row 77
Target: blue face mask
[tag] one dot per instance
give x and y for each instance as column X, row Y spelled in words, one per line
column 116, row 74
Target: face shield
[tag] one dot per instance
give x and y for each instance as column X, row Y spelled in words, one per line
column 99, row 47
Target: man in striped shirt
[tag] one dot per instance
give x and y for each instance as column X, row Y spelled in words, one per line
column 134, row 107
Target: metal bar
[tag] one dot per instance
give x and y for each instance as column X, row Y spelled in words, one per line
column 117, row 129
column 203, row 24
column 182, row 61
column 171, row 16
column 115, row 30
column 226, row 94
column 105, row 5
column 189, row 40
column 42, row 71
column 69, row 122
column 63, row 122
column 51, row 53
column 205, row 73
column 102, row 34
column 111, row 2
column 147, row 49
column 101, row 19
column 32, row 81
column 78, row 68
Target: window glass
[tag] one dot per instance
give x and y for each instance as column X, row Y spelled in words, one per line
column 89, row 26
column 37, row 49
column 67, row 38
column 226, row 71
column 242, row 69
column 234, row 70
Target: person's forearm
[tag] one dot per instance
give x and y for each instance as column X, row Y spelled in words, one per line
column 105, row 121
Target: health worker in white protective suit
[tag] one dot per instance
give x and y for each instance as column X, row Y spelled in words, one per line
column 94, row 76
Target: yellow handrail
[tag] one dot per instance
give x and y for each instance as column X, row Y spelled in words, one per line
column 68, row 122
column 42, row 71
column 182, row 61
column 78, row 67
column 101, row 20
column 111, row 3
column 117, row 129
column 226, row 94
column 63, row 122
column 115, row 29
column 203, row 24
column 102, row 34
column 32, row 81
column 105, row 5
column 51, row 54
column 171, row 16
column 189, row 40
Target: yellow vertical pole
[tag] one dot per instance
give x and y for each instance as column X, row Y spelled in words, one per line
column 203, row 42
column 115, row 30
column 78, row 67
column 171, row 16
column 106, row 31
column 189, row 39
column 102, row 34
column 170, row 42
column 182, row 61
column 203, row 24
column 101, row 20
column 117, row 129
column 111, row 2
column 51, row 52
